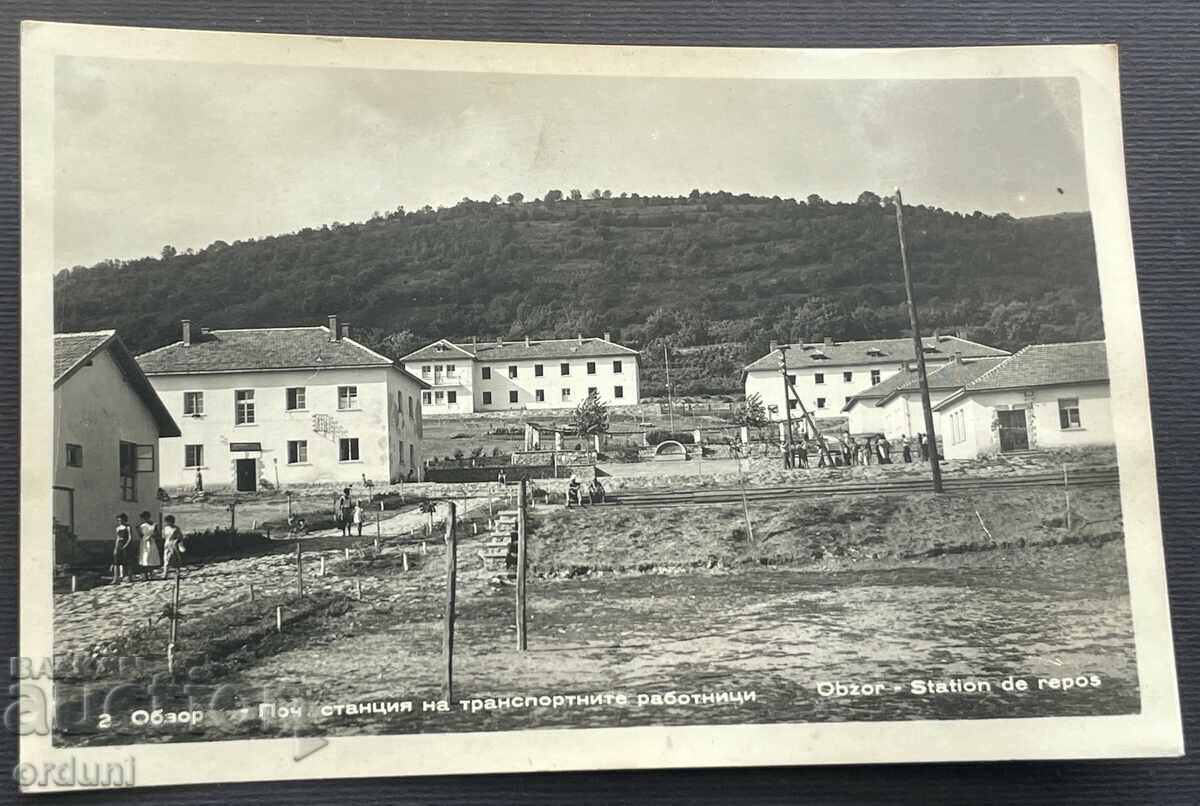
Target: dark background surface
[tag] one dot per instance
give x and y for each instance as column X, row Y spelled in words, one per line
column 1160, row 96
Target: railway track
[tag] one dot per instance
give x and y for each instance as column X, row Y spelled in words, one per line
column 727, row 495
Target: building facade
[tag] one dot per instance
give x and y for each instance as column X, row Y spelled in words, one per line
column 827, row 375
column 1046, row 396
column 894, row 408
column 520, row 375
column 109, row 425
column 271, row 407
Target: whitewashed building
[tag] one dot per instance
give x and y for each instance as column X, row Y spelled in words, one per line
column 1045, row 396
column 828, row 374
column 278, row 406
column 108, row 426
column 894, row 406
column 539, row 374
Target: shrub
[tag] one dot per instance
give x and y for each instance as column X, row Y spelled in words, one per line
column 216, row 543
column 658, row 436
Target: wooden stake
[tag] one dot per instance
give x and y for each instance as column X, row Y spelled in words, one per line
column 1067, row 494
column 347, row 553
column 174, row 625
column 982, row 524
column 358, row 589
column 522, row 529
column 299, row 570
column 423, row 547
column 404, row 559
column 278, row 618
column 322, row 571
column 448, row 627
column 74, row 584
column 252, row 591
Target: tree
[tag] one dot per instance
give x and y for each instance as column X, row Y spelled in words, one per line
column 869, row 199
column 168, row 252
column 596, row 193
column 590, row 416
column 553, row 196
column 495, row 199
column 814, row 200
column 606, row 194
column 576, row 194
column 752, row 413
column 694, row 195
column 516, row 198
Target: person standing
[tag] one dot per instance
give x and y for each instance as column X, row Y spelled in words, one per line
column 342, row 510
column 905, row 449
column 149, row 556
column 173, row 548
column 923, row 447
column 357, row 518
column 123, row 551
column 885, row 451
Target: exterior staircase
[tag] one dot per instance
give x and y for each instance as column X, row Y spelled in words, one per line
column 500, row 551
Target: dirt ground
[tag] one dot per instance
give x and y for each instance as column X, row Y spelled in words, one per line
column 625, row 604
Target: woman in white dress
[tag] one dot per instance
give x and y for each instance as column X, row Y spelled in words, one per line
column 149, row 557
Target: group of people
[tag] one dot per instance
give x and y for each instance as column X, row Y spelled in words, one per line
column 146, row 550
column 847, row 450
column 577, row 491
column 349, row 513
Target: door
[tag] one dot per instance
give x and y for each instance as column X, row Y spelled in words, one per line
column 1013, row 434
column 247, row 475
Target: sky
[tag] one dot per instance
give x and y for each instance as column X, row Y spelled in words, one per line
column 156, row 153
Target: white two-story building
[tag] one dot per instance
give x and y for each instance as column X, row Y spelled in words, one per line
column 526, row 374
column 828, row 374
column 280, row 406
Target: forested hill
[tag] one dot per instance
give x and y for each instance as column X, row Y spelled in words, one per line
column 706, row 269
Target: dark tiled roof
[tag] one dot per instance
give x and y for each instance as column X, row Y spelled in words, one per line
column 518, row 350
column 72, row 351
column 951, row 375
column 874, row 351
column 1047, row 365
column 881, row 390
column 259, row 349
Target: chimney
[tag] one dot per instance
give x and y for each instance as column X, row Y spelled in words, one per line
column 333, row 327
column 958, row 357
column 774, row 345
column 187, row 332
column 579, row 337
column 828, row 341
column 500, row 342
column 346, row 331
column 526, row 339
column 607, row 336
column 474, row 344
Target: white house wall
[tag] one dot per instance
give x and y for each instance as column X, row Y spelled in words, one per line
column 835, row 389
column 460, row 382
column 552, row 382
column 274, row 426
column 96, row 409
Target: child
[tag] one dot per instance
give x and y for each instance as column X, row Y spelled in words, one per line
column 357, row 516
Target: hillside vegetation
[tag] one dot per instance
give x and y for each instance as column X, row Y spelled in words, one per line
column 712, row 276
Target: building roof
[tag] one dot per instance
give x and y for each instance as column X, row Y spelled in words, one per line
column 873, row 351
column 952, row 375
column 881, row 390
column 73, row 351
column 1043, row 365
column 587, row 347
column 271, row 348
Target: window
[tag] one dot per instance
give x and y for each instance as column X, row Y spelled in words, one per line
column 617, row 367
column 297, row 451
column 792, row 405
column 512, row 396
column 296, row 398
column 540, row 395
column 426, row 398
column 818, row 377
column 450, row 370
column 411, row 454
column 593, row 391
column 1068, row 413
column 566, row 393
column 820, row 402
column 791, row 380
column 487, row 398
column 452, row 397
column 193, row 456
column 348, row 397
column 410, row 405
column 243, row 405
column 487, row 373
column 564, row 369
column 591, row 368
column 439, row 397
column 193, row 404
column 425, row 370
column 348, row 449
column 847, row 377
column 400, row 446
column 127, row 461
column 74, row 455
column 538, row 369
column 618, row 392
column 512, row 370
column 874, row 377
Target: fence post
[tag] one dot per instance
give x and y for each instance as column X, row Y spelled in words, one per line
column 299, row 570
column 448, row 627
column 522, row 530
column 1067, row 494
column 174, row 625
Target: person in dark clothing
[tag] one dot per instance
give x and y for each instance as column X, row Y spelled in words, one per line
column 123, row 551
column 906, row 450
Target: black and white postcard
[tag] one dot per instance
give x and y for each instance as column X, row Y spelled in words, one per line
column 398, row 407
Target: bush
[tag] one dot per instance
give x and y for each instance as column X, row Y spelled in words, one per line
column 658, row 436
column 216, row 542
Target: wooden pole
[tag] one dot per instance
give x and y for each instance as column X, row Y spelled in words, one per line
column 278, row 618
column 745, row 503
column 252, row 591
column 522, row 531
column 174, row 625
column 787, row 406
column 404, row 559
column 299, row 570
column 322, row 571
column 448, row 627
column 812, row 424
column 358, row 589
column 1067, row 493
column 670, row 399
column 935, row 461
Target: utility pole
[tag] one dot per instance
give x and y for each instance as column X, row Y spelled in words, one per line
column 787, row 405
column 670, row 404
column 918, row 347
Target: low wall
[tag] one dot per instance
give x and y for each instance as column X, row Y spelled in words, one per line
column 461, row 475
